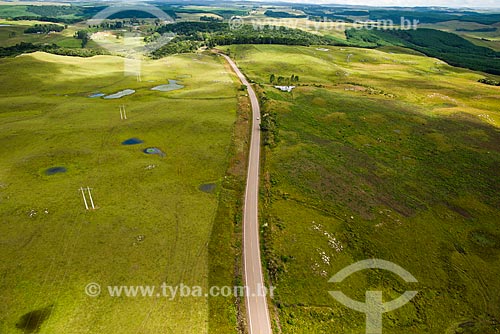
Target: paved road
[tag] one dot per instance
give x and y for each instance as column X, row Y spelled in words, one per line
column 256, row 302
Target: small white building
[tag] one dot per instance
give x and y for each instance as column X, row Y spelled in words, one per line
column 285, row 88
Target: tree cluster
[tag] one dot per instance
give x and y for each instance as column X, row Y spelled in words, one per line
column 206, row 18
column 176, row 47
column 23, row 47
column 84, row 36
column 489, row 82
column 44, row 29
column 54, row 11
column 46, row 19
column 283, row 80
column 212, row 34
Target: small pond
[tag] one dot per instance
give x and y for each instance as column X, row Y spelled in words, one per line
column 154, row 151
column 172, row 85
column 132, row 141
column 208, row 188
column 96, row 95
column 121, row 94
column 55, row 170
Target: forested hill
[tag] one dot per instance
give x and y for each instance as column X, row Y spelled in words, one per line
column 217, row 33
column 449, row 47
column 191, row 35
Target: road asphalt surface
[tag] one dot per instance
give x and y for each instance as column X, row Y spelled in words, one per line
column 256, row 300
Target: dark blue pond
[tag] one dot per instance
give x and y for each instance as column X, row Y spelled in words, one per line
column 55, row 170
column 132, row 141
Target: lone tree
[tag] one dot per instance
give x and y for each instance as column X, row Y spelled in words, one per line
column 84, row 36
column 272, row 79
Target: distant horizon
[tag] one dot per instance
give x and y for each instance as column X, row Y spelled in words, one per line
column 450, row 4
column 458, row 4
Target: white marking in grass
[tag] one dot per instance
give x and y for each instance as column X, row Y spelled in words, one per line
column 84, row 192
column 91, row 199
column 84, row 198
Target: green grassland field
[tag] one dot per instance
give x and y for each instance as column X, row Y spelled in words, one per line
column 385, row 155
column 152, row 225
column 12, row 33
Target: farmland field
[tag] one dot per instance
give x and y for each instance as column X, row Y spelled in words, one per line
column 12, row 33
column 379, row 155
column 152, row 224
column 129, row 166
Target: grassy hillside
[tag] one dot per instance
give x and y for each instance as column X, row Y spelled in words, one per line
column 387, row 156
column 449, row 47
column 15, row 11
column 153, row 223
column 13, row 33
column 479, row 34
